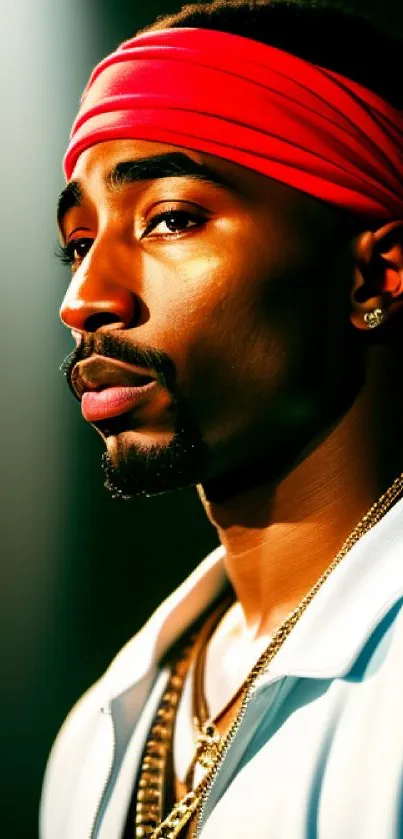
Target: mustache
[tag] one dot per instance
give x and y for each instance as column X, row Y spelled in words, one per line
column 110, row 347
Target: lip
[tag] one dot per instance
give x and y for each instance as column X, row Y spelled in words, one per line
column 99, row 372
column 107, row 387
column 113, row 401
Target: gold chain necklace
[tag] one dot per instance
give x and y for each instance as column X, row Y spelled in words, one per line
column 155, row 784
column 213, row 744
column 208, row 738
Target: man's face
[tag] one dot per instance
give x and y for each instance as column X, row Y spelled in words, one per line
column 230, row 289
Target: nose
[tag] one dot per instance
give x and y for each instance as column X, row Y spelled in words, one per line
column 95, row 298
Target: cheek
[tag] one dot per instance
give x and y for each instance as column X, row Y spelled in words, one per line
column 216, row 313
column 226, row 350
column 245, row 327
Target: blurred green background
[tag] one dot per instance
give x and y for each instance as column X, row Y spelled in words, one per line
column 80, row 572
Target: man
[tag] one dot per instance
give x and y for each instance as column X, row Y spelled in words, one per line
column 233, row 218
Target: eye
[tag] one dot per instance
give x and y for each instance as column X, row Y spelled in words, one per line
column 173, row 223
column 74, row 251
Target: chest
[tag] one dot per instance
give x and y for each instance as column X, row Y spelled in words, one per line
column 313, row 758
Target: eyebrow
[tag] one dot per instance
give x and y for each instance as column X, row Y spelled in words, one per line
column 71, row 196
column 169, row 165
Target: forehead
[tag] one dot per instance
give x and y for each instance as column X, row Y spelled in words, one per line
column 111, row 166
column 95, row 163
column 94, row 175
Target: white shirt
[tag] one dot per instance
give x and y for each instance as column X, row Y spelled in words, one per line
column 319, row 753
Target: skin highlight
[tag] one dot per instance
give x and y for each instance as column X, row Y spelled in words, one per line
column 256, row 306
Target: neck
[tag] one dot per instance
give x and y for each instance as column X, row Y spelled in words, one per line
column 279, row 538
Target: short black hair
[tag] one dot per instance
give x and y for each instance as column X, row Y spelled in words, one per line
column 322, row 33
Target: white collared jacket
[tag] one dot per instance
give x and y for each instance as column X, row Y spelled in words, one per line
column 319, row 752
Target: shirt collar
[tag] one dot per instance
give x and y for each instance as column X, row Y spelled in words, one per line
column 142, row 653
column 326, row 639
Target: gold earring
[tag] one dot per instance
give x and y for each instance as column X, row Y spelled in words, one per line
column 374, row 318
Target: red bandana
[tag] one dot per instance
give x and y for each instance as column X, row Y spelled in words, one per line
column 250, row 104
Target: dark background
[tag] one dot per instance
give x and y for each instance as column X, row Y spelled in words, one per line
column 80, row 572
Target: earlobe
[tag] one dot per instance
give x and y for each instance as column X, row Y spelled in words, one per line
column 378, row 276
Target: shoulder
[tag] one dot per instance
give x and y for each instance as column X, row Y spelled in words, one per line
column 84, row 744
column 66, row 757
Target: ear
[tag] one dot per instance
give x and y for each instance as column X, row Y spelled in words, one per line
column 378, row 275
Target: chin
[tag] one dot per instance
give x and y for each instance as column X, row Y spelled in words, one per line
column 121, row 443
column 154, row 461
